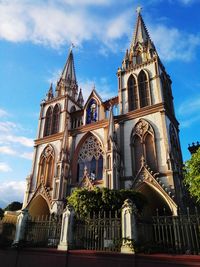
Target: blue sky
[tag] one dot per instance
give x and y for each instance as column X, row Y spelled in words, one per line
column 35, row 36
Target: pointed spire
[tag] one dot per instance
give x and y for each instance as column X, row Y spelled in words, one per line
column 69, row 69
column 111, row 126
column 80, row 98
column 141, row 34
column 67, row 82
column 50, row 93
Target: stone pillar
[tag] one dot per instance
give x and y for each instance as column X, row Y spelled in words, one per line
column 129, row 234
column 66, row 235
column 20, row 226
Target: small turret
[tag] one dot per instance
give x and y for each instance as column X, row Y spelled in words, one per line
column 49, row 95
column 80, row 100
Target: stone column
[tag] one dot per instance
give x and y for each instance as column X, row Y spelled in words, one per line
column 129, row 234
column 66, row 235
column 20, row 226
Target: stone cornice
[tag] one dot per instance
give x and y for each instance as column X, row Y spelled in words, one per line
column 89, row 127
column 140, row 112
column 49, row 139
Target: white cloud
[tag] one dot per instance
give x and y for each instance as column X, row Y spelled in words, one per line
column 27, row 155
column 16, row 187
column 11, row 143
column 4, row 167
column 189, row 111
column 7, row 126
column 3, row 113
column 7, row 150
column 190, row 106
column 53, row 24
column 173, row 44
column 87, row 2
column 102, row 87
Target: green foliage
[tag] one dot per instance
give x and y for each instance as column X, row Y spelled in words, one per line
column 15, row 205
column 85, row 201
column 192, row 176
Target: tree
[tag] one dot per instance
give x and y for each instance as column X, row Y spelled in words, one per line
column 13, row 206
column 192, row 176
column 85, row 201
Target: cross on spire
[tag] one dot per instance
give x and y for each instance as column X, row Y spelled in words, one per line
column 139, row 9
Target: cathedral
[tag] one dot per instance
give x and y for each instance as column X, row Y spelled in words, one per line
column 130, row 141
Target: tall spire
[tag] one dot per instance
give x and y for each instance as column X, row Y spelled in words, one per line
column 141, row 34
column 69, row 69
column 67, row 82
column 142, row 48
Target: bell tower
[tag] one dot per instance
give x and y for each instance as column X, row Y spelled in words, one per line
column 146, row 104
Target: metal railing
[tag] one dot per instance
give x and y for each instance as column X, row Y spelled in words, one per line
column 178, row 234
column 43, row 231
column 99, row 231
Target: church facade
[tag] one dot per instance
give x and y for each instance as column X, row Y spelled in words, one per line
column 90, row 144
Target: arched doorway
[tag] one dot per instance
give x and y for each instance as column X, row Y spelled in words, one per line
column 38, row 207
column 156, row 201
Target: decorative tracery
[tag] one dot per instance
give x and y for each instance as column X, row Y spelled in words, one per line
column 52, row 120
column 46, row 167
column 139, row 94
column 91, row 157
column 143, row 146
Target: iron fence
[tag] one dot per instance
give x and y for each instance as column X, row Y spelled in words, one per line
column 178, row 234
column 99, row 231
column 43, row 231
column 7, row 233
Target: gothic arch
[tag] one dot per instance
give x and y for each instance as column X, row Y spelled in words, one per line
column 133, row 97
column 157, row 200
column 143, row 147
column 48, row 121
column 56, row 119
column 90, row 154
column 92, row 111
column 39, row 206
column 46, row 167
column 144, row 89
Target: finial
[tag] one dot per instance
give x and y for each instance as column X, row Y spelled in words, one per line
column 139, row 9
column 71, row 46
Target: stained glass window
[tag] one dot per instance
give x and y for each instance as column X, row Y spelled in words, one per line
column 91, row 112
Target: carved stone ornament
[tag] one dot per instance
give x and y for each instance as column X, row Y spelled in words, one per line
column 90, row 148
column 48, row 151
column 85, row 182
column 142, row 127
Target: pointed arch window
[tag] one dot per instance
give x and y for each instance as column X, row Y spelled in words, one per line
column 90, row 156
column 132, row 93
column 46, row 167
column 56, row 119
column 143, row 147
column 144, row 91
column 175, row 150
column 48, row 122
column 92, row 112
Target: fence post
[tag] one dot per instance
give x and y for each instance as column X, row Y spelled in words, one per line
column 129, row 234
column 20, row 226
column 66, row 235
